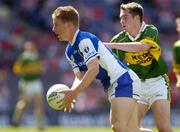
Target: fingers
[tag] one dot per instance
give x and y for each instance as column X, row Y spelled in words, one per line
column 68, row 101
column 69, row 108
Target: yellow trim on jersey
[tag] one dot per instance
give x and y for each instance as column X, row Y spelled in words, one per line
column 34, row 68
column 146, row 57
column 155, row 48
column 176, row 67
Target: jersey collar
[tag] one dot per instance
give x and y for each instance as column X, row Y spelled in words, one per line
column 143, row 26
column 75, row 36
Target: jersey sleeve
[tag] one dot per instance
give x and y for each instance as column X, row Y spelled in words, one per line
column 151, row 37
column 88, row 50
column 73, row 64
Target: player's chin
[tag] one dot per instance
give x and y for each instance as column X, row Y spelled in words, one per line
column 125, row 29
column 63, row 41
column 60, row 39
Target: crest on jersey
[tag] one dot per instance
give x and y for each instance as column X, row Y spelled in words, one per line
column 86, row 49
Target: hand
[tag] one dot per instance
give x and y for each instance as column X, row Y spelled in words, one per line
column 69, row 100
column 69, row 109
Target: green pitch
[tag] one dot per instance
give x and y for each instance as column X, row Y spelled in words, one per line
column 62, row 129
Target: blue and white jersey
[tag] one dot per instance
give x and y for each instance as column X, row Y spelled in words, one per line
column 86, row 47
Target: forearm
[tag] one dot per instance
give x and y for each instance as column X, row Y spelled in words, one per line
column 129, row 46
column 77, row 80
column 89, row 76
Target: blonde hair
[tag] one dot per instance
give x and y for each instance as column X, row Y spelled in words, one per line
column 134, row 9
column 67, row 14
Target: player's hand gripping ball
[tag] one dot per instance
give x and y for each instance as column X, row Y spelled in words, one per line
column 55, row 96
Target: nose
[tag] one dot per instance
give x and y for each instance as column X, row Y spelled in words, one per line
column 121, row 21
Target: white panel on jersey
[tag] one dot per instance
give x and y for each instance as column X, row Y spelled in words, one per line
column 88, row 50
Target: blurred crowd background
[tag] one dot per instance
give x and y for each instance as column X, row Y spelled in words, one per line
column 22, row 20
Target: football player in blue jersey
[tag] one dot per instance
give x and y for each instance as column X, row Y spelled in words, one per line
column 91, row 59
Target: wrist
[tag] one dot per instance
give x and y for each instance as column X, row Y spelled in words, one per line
column 76, row 91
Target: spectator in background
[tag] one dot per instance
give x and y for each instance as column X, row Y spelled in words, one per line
column 4, row 91
column 29, row 68
column 176, row 55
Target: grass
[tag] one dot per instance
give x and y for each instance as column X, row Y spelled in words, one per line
column 63, row 129
column 55, row 129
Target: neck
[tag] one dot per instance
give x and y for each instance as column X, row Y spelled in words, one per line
column 71, row 36
column 135, row 30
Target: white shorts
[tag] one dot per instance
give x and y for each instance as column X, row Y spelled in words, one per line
column 154, row 89
column 30, row 88
column 126, row 86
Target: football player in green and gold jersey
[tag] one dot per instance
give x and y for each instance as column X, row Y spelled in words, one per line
column 176, row 55
column 29, row 68
column 138, row 46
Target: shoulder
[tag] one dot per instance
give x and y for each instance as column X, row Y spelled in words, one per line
column 150, row 29
column 119, row 37
column 86, row 38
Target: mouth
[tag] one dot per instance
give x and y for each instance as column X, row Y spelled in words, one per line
column 124, row 26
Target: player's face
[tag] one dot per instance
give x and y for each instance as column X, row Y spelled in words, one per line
column 60, row 29
column 127, row 21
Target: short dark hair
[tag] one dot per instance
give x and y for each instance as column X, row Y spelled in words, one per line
column 134, row 9
column 67, row 14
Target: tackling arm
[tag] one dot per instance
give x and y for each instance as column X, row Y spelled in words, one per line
column 129, row 46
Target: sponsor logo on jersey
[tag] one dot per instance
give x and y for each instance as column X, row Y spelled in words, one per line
column 143, row 58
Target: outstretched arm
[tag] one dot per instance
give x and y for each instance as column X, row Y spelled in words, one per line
column 129, row 46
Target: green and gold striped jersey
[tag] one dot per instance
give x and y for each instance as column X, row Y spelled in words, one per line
column 146, row 64
column 28, row 66
column 176, row 56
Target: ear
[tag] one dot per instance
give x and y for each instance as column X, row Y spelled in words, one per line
column 137, row 18
column 68, row 24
